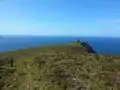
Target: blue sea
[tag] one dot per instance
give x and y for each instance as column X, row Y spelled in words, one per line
column 101, row 45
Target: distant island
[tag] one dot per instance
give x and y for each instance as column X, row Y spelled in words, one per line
column 72, row 66
column 1, row 36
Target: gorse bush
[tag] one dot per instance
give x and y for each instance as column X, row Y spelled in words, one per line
column 6, row 71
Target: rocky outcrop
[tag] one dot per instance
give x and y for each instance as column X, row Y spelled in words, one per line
column 78, row 41
column 88, row 47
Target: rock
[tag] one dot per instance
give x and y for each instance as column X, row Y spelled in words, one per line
column 78, row 41
column 88, row 47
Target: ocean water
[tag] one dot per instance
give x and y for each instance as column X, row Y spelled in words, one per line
column 101, row 45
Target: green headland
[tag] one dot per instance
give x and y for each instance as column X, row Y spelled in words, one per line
column 72, row 66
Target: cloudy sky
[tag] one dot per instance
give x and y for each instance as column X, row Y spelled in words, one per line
column 60, row 17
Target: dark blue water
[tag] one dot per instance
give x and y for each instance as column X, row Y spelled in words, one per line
column 100, row 44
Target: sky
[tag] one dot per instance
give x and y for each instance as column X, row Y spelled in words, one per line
column 60, row 17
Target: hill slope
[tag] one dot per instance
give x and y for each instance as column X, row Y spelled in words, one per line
column 62, row 67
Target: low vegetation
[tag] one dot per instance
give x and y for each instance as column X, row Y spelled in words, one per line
column 62, row 67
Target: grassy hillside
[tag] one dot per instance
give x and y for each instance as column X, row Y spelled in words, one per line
column 61, row 67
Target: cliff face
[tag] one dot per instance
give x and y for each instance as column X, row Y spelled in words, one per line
column 88, row 47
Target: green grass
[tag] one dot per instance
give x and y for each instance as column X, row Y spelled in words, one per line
column 59, row 67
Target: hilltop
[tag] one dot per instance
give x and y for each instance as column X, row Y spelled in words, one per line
column 73, row 66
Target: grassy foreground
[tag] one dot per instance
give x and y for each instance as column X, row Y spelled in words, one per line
column 62, row 67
